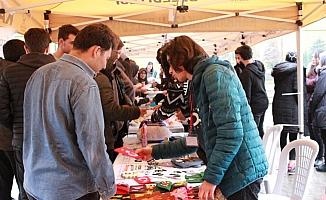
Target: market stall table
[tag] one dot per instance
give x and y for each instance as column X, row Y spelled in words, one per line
column 177, row 127
column 127, row 169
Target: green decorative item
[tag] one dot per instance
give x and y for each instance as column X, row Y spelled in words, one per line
column 165, row 185
column 196, row 178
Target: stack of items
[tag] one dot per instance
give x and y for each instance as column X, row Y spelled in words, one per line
column 173, row 185
column 155, row 132
column 162, row 190
column 151, row 180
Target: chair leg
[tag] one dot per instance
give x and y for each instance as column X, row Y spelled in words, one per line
column 267, row 187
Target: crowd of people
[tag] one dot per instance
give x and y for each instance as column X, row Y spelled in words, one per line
column 285, row 104
column 317, row 105
column 63, row 114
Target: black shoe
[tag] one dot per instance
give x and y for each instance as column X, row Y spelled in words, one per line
column 318, row 162
column 321, row 168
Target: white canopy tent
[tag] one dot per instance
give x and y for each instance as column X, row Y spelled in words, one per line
column 213, row 42
column 139, row 17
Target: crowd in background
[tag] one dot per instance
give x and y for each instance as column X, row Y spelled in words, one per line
column 63, row 114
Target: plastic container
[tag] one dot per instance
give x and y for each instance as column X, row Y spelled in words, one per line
column 143, row 135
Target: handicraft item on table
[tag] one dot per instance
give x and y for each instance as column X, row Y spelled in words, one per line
column 127, row 152
column 155, row 132
column 187, row 162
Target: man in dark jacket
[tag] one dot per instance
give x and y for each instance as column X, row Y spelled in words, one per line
column 12, row 85
column 238, row 67
column 252, row 79
column 117, row 103
column 285, row 107
column 12, row 50
column 130, row 67
column 116, row 114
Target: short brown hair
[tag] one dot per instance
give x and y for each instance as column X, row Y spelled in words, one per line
column 37, row 40
column 183, row 51
column 244, row 51
column 66, row 30
column 94, row 34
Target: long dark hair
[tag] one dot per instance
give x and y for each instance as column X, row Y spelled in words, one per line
column 140, row 80
column 161, row 58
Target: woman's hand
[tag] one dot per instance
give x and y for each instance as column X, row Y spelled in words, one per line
column 142, row 112
column 145, row 153
column 154, row 84
column 206, row 191
column 156, row 107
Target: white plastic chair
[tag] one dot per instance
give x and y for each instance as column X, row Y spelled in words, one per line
column 271, row 142
column 306, row 152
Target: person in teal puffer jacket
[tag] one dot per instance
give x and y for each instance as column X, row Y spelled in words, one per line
column 230, row 138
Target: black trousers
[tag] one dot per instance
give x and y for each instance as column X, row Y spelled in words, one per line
column 118, row 143
column 323, row 136
column 283, row 140
column 315, row 134
column 20, row 173
column 248, row 193
column 7, row 172
column 259, row 119
column 89, row 196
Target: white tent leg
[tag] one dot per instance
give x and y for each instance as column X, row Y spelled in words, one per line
column 300, row 82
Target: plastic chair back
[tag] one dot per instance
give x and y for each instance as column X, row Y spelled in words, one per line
column 271, row 142
column 306, row 152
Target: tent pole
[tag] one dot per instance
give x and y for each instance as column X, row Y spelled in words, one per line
column 268, row 9
column 300, row 75
column 267, row 18
column 205, row 20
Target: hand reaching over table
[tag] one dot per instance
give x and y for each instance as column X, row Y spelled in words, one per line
column 145, row 153
column 156, row 107
column 206, row 191
column 142, row 111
